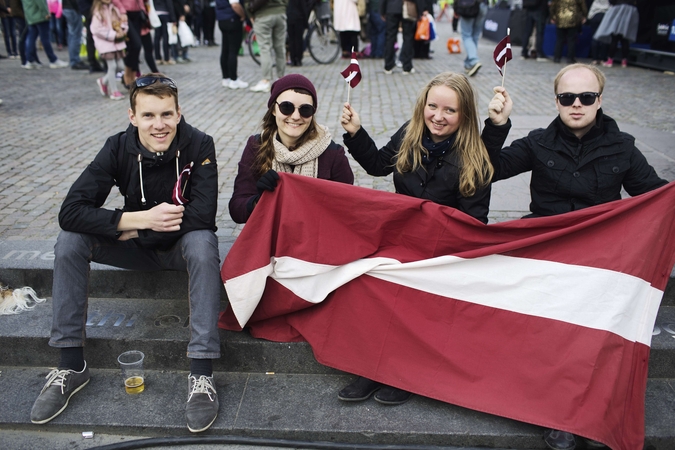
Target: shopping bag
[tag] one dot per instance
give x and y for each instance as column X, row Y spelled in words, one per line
column 432, row 29
column 155, row 22
column 172, row 32
column 187, row 39
column 422, row 32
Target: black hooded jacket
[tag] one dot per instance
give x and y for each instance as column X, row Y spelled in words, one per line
column 117, row 164
column 437, row 181
column 569, row 173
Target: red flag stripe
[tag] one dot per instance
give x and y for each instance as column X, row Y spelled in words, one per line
column 622, row 304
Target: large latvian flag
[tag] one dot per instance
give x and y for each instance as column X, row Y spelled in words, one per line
column 545, row 320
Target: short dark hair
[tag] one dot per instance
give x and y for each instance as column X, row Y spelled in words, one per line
column 166, row 87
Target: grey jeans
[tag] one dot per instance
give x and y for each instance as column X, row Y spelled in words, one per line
column 195, row 252
column 270, row 32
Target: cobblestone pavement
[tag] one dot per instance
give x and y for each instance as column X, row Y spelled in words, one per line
column 53, row 122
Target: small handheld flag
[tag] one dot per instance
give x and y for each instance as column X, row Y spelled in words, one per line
column 502, row 54
column 352, row 74
column 181, row 184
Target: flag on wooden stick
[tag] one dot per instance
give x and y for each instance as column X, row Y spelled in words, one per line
column 352, row 74
column 502, row 53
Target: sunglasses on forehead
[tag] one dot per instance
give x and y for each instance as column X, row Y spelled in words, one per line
column 586, row 98
column 288, row 108
column 149, row 80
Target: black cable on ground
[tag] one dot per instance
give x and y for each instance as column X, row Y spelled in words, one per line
column 241, row 440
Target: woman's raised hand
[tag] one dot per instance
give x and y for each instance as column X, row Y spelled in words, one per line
column 500, row 106
column 350, row 120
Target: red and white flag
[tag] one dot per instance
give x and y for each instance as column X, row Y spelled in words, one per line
column 177, row 195
column 546, row 320
column 502, row 53
column 352, row 74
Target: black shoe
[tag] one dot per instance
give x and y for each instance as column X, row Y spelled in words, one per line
column 559, row 440
column 359, row 390
column 591, row 444
column 96, row 68
column 571, row 61
column 80, row 65
column 389, row 395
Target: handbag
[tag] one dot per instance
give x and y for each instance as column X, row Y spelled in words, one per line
column 409, row 10
column 143, row 13
column 422, row 32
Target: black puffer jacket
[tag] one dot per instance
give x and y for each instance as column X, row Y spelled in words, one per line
column 81, row 211
column 438, row 181
column 570, row 173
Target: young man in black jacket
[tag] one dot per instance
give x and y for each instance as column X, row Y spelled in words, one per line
column 168, row 223
column 582, row 159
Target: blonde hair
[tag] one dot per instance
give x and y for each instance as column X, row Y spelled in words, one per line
column 476, row 170
column 266, row 153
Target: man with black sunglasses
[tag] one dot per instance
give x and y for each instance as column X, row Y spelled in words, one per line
column 582, row 159
column 166, row 171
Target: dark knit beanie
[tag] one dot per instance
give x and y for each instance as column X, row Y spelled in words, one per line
column 292, row 81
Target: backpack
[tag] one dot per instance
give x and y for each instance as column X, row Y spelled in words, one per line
column 467, row 8
column 254, row 6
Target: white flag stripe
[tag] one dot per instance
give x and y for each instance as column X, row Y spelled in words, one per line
column 586, row 296
column 503, row 52
column 245, row 291
column 351, row 76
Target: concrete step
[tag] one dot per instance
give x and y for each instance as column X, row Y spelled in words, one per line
column 160, row 329
column 30, row 263
column 288, row 406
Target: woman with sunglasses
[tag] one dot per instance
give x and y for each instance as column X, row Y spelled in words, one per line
column 290, row 141
column 438, row 155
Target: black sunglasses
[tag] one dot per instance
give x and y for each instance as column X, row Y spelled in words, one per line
column 288, row 108
column 149, row 80
column 586, row 98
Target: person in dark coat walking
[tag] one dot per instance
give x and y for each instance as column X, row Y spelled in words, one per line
column 580, row 160
column 297, row 15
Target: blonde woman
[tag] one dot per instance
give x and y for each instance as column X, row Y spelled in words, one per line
column 438, row 155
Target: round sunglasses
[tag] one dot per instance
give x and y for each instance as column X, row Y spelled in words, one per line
column 586, row 98
column 288, row 108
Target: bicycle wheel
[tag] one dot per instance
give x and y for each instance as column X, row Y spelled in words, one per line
column 253, row 48
column 323, row 43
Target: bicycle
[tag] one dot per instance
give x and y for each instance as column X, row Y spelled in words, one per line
column 320, row 39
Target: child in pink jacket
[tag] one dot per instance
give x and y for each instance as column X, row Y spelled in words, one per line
column 109, row 30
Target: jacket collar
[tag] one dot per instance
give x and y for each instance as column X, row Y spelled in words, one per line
column 604, row 138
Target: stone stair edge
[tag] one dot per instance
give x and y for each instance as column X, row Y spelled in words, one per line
column 283, row 406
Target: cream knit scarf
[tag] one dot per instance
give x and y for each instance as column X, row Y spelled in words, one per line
column 303, row 160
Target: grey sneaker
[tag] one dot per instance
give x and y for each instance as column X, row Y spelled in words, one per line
column 202, row 403
column 53, row 399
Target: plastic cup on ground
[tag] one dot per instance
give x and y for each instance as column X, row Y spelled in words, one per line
column 131, row 363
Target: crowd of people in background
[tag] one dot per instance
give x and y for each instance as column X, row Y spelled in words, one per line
column 370, row 28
